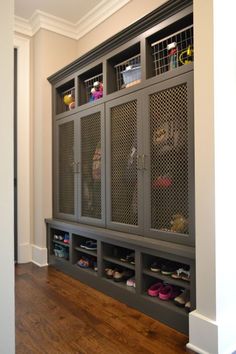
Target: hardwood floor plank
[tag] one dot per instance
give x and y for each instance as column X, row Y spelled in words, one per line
column 57, row 314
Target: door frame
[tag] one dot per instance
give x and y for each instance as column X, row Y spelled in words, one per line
column 24, row 158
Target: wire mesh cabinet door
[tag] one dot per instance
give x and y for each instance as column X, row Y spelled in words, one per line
column 65, row 169
column 123, row 173
column 91, row 166
column 169, row 178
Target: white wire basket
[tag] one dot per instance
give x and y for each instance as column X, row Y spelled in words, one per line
column 173, row 51
column 128, row 72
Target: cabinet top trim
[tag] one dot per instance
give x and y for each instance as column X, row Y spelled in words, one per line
column 153, row 18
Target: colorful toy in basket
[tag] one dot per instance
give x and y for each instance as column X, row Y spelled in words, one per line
column 186, row 56
column 69, row 101
column 173, row 57
column 96, row 91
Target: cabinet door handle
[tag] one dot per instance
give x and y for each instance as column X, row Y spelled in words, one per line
column 139, row 162
column 75, row 166
column 144, row 167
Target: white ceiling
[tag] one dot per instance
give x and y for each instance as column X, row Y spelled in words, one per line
column 70, row 10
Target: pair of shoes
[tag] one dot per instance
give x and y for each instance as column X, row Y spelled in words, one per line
column 58, row 237
column 89, row 245
column 183, row 300
column 122, row 275
column 165, row 292
column 164, row 266
column 88, row 262
column 84, row 262
column 169, row 267
column 66, row 239
column 156, row 266
column 61, row 251
column 118, row 275
column 129, row 257
column 131, row 282
column 182, row 273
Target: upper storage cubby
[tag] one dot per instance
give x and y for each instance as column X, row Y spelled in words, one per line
column 170, row 48
column 90, row 85
column 65, row 97
column 124, row 69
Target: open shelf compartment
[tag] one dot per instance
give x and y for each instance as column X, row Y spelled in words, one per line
column 82, row 255
column 124, row 69
column 60, row 244
column 90, row 85
column 170, row 48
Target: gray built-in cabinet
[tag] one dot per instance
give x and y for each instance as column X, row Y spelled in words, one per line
column 123, row 164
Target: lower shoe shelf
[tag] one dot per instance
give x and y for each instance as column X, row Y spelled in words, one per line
column 121, row 255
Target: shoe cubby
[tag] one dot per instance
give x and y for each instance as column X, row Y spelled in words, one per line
column 170, row 48
column 120, row 276
column 65, row 97
column 84, row 245
column 84, row 253
column 161, row 297
column 60, row 244
column 120, row 256
column 124, row 69
column 90, row 85
column 167, row 271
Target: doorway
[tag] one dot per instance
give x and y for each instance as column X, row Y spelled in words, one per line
column 15, row 156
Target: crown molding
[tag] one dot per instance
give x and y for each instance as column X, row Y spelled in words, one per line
column 97, row 15
column 52, row 23
column 93, row 18
column 22, row 26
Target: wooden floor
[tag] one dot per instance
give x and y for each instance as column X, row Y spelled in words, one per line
column 57, row 314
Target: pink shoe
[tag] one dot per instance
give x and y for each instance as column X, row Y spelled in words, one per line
column 155, row 289
column 169, row 292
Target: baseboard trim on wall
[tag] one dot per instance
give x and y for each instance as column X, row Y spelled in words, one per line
column 203, row 334
column 39, row 256
column 195, row 349
column 24, row 253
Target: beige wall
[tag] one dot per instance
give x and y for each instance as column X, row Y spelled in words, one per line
column 128, row 14
column 7, row 325
column 50, row 52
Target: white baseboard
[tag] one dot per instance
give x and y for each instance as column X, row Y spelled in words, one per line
column 196, row 349
column 24, row 253
column 39, row 256
column 203, row 334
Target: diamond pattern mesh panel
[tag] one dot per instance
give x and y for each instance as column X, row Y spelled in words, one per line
column 66, row 173
column 169, row 160
column 124, row 163
column 91, row 165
